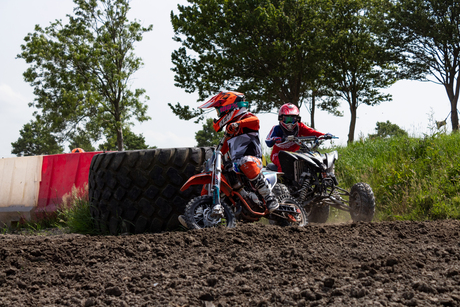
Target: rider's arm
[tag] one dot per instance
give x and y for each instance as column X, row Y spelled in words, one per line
column 224, row 148
column 249, row 121
column 274, row 136
column 304, row 130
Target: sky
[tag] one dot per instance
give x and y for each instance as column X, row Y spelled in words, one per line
column 414, row 106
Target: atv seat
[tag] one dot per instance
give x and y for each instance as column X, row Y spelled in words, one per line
column 272, row 167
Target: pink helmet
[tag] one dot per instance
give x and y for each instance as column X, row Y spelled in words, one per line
column 289, row 116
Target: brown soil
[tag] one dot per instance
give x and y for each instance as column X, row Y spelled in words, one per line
column 364, row 264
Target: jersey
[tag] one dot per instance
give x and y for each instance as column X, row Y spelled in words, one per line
column 246, row 141
column 276, row 136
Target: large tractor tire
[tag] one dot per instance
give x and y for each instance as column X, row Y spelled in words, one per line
column 139, row 191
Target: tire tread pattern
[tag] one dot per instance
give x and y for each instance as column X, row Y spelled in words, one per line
column 362, row 202
column 139, row 191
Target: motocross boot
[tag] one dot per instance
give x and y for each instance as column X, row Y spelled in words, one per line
column 262, row 186
column 182, row 221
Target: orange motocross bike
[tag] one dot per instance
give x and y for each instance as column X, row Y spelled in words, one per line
column 231, row 197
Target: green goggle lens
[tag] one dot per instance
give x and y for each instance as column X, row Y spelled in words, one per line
column 290, row 119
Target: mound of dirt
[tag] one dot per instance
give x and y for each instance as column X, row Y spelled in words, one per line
column 351, row 264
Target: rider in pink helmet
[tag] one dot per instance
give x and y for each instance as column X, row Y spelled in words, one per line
column 289, row 124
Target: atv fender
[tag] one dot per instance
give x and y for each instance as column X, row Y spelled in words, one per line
column 330, row 158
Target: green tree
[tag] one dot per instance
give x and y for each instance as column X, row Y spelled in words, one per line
column 81, row 71
column 132, row 141
column 208, row 137
column 387, row 129
column 428, row 33
column 81, row 140
column 359, row 62
column 270, row 50
column 36, row 139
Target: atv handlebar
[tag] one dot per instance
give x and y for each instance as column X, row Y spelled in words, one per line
column 312, row 138
column 314, row 141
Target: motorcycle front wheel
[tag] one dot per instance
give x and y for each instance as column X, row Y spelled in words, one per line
column 198, row 211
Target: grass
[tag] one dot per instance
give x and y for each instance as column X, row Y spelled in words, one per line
column 412, row 178
column 72, row 216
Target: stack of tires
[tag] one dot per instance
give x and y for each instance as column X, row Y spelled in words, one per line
column 139, row 191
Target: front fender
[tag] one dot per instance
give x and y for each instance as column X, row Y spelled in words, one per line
column 205, row 178
column 201, row 179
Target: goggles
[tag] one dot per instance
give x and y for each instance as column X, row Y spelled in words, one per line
column 290, row 119
column 236, row 105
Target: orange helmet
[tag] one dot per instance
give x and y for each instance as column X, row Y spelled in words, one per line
column 77, row 150
column 229, row 105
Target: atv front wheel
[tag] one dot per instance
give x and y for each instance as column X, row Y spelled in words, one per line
column 362, row 202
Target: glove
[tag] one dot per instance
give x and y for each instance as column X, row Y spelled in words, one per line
column 328, row 136
column 232, row 128
column 290, row 138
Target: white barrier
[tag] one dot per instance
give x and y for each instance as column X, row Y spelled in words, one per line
column 19, row 186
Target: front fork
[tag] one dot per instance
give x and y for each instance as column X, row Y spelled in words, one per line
column 217, row 209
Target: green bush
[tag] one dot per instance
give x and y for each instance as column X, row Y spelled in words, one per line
column 412, row 178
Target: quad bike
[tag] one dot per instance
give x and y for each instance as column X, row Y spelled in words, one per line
column 230, row 196
column 309, row 177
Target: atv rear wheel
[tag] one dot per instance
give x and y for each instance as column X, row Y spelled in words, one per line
column 198, row 214
column 318, row 213
column 362, row 202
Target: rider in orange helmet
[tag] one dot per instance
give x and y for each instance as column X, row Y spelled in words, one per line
column 242, row 143
column 77, row 150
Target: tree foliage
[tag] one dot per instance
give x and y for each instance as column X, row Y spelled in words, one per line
column 35, row 139
column 359, row 62
column 132, row 141
column 428, row 33
column 81, row 140
column 208, row 137
column 279, row 51
column 81, row 71
column 269, row 50
column 387, row 129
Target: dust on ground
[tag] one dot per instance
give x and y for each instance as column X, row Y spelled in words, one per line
column 347, row 264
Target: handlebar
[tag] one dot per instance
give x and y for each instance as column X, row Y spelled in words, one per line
column 314, row 138
column 310, row 142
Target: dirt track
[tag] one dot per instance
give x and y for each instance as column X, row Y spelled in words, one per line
column 364, row 264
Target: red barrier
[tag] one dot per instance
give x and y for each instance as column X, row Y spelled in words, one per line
column 59, row 174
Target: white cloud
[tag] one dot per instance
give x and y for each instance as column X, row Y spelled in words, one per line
column 14, row 113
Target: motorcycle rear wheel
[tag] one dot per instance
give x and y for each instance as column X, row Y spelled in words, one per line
column 197, row 214
column 362, row 202
column 315, row 213
column 300, row 219
column 280, row 189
